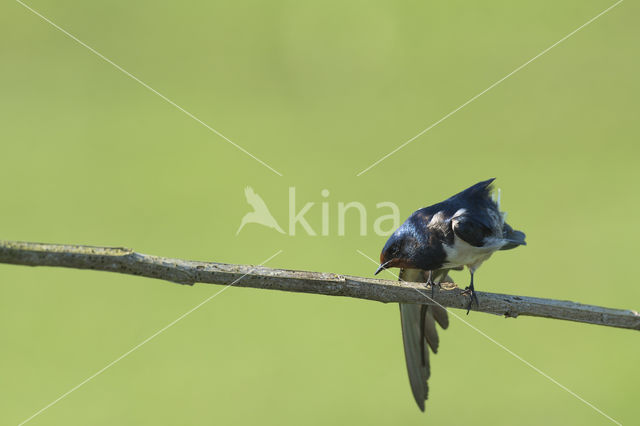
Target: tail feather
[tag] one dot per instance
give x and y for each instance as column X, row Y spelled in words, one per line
column 429, row 328
column 419, row 333
column 440, row 315
column 415, row 352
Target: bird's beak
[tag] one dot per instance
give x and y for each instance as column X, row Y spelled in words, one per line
column 382, row 266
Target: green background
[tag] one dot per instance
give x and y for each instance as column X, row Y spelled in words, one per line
column 319, row 91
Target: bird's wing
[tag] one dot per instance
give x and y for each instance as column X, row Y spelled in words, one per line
column 480, row 189
column 255, row 200
column 419, row 330
column 470, row 229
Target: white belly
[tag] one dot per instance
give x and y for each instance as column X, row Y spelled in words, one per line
column 462, row 253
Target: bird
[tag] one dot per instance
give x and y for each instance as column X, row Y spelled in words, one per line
column 260, row 213
column 463, row 230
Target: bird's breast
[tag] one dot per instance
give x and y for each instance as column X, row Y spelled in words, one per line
column 461, row 253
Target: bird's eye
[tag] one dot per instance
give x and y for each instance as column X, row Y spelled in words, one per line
column 395, row 251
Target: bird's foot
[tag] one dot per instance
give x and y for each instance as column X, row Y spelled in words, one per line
column 433, row 286
column 469, row 291
column 431, row 283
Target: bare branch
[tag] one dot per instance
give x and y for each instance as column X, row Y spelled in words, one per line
column 126, row 261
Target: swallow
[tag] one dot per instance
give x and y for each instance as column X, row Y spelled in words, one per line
column 464, row 230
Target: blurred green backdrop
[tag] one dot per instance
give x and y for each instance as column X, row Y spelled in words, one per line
column 319, row 91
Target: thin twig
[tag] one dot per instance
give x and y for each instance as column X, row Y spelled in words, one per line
column 126, row 261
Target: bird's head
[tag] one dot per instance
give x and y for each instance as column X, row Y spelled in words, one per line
column 401, row 250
